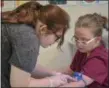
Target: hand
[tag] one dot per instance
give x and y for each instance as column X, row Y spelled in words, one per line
column 54, row 73
column 74, row 79
column 59, row 80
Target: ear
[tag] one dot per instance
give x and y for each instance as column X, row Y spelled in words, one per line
column 43, row 29
column 59, row 32
column 99, row 38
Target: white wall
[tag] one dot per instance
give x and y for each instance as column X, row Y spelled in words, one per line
column 8, row 5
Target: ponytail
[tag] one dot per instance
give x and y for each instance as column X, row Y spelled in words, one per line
column 25, row 13
column 105, row 23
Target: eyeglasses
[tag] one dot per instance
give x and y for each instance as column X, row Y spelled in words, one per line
column 84, row 42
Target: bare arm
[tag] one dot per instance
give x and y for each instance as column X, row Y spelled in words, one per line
column 41, row 71
column 20, row 78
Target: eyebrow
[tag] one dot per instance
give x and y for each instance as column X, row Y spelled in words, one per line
column 81, row 37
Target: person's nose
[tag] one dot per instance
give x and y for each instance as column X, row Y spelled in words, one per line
column 79, row 44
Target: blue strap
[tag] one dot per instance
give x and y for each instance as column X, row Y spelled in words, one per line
column 79, row 77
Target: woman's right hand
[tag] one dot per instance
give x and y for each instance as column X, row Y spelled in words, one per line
column 59, row 80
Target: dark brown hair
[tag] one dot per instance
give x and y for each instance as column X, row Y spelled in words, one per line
column 94, row 21
column 53, row 16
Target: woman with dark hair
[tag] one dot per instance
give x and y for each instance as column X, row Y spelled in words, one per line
column 23, row 31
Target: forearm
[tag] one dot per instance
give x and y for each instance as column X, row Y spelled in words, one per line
column 39, row 82
column 41, row 72
column 74, row 84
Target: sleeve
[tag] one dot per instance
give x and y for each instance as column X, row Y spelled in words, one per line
column 95, row 69
column 25, row 48
column 74, row 61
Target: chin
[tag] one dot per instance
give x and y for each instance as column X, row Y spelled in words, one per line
column 82, row 50
column 44, row 46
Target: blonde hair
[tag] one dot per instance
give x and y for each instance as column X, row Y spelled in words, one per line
column 94, row 21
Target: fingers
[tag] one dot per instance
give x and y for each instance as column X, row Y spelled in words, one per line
column 61, row 79
column 56, row 73
column 68, row 77
column 74, row 79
